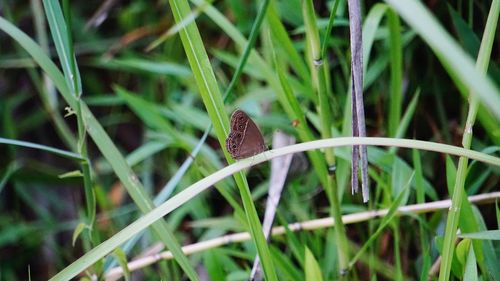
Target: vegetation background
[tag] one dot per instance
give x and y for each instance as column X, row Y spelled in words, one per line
column 88, row 143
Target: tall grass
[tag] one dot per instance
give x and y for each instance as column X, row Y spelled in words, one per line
column 122, row 157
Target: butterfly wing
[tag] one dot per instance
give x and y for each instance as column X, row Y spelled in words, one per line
column 252, row 142
column 245, row 138
column 238, row 125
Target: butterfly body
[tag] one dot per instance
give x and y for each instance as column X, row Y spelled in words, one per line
column 244, row 139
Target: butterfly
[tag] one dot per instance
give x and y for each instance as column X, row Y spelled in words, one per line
column 244, row 139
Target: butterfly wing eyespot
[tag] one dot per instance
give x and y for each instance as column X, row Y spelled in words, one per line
column 244, row 139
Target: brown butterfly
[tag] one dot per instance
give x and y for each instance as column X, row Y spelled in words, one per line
column 244, row 139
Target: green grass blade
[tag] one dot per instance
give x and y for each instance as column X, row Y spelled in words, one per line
column 391, row 214
column 396, row 59
column 45, row 87
column 190, row 192
column 458, row 64
column 408, row 115
column 459, row 200
column 248, row 48
column 282, row 39
column 63, row 153
column 134, row 188
column 287, row 269
column 329, row 27
column 143, row 65
column 319, row 78
column 293, row 109
column 483, row 235
column 105, row 145
column 212, row 98
column 370, row 27
column 311, row 267
column 420, row 195
column 64, row 46
column 41, row 59
column 470, row 272
column 471, row 42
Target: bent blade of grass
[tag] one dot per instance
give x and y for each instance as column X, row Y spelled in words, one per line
column 459, row 65
column 469, row 39
column 134, row 188
column 106, row 146
column 190, row 192
column 41, row 59
column 163, row 195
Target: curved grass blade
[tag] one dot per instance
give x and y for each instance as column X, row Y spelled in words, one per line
column 190, row 192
